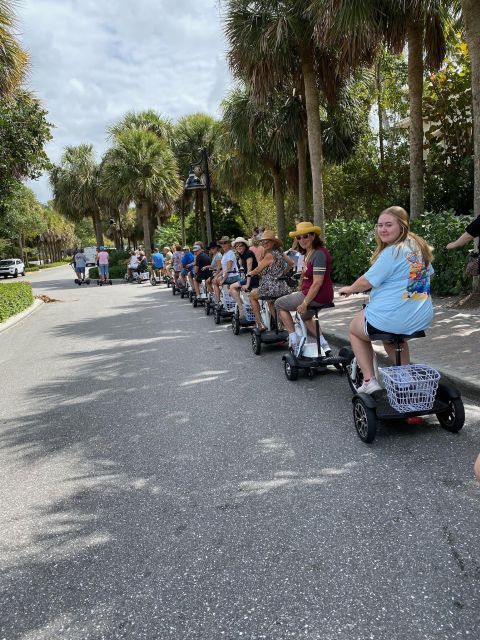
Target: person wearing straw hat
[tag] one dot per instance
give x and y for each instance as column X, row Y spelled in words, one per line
column 271, row 268
column 315, row 282
column 246, row 262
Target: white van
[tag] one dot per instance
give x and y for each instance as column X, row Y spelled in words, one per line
column 90, row 252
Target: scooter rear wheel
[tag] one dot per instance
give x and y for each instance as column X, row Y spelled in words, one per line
column 235, row 325
column 291, row 371
column 207, row 308
column 453, row 418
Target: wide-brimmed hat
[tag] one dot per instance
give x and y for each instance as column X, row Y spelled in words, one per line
column 225, row 239
column 196, row 247
column 240, row 240
column 303, row 228
column 270, row 235
column 185, row 248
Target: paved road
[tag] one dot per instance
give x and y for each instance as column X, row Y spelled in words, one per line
column 160, row 481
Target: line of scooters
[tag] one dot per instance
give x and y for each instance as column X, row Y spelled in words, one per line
column 414, row 392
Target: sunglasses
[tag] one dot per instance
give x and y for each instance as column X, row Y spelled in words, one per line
column 224, row 243
column 305, row 236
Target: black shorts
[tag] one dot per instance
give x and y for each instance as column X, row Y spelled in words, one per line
column 205, row 275
column 370, row 329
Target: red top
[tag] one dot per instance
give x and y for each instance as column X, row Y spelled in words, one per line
column 318, row 265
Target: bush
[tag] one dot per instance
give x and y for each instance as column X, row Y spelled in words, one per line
column 14, row 298
column 115, row 271
column 32, row 267
column 351, row 243
column 439, row 229
column 52, row 264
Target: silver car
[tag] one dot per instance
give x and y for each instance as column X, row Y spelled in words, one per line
column 12, row 267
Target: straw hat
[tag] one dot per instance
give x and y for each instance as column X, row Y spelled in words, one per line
column 303, row 228
column 270, row 235
column 225, row 239
column 240, row 240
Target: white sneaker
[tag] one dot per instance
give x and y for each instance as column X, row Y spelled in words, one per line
column 369, row 387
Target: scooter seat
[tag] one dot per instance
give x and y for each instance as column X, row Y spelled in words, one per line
column 393, row 337
column 316, row 306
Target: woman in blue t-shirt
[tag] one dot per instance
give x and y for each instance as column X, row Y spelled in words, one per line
column 400, row 300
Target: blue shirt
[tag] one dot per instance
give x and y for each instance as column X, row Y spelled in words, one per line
column 158, row 260
column 400, row 300
column 187, row 259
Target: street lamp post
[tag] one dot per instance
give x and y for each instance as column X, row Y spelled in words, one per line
column 194, row 183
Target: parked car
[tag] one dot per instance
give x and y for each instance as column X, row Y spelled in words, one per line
column 12, row 267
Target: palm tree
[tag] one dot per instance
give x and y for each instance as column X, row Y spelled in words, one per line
column 256, row 133
column 13, row 59
column 148, row 120
column 76, row 189
column 357, row 29
column 141, row 167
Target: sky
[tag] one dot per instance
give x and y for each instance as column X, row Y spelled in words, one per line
column 94, row 60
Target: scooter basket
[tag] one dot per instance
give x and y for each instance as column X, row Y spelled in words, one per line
column 410, row 387
column 249, row 315
column 229, row 303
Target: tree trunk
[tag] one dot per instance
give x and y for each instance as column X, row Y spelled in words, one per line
column 471, row 17
column 279, row 202
column 145, row 211
column 97, row 227
column 381, row 145
column 302, row 176
column 314, row 129
column 415, row 87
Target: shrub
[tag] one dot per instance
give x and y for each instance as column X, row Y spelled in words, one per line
column 439, row 229
column 350, row 243
column 52, row 264
column 14, row 298
column 32, row 267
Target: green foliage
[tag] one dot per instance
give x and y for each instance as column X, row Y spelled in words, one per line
column 14, row 298
column 439, row 229
column 24, row 131
column 118, row 258
column 350, row 243
column 22, row 214
column 49, row 265
column 169, row 233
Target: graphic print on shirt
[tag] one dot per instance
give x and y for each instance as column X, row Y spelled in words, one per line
column 418, row 287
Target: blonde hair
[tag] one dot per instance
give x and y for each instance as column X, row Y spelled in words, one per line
column 405, row 234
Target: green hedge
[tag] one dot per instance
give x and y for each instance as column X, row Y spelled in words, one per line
column 14, row 298
column 351, row 243
column 115, row 271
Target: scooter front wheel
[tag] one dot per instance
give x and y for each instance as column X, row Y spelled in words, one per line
column 256, row 343
column 453, row 418
column 291, row 371
column 365, row 420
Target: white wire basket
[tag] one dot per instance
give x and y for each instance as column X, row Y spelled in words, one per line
column 410, row 387
column 249, row 315
column 229, row 302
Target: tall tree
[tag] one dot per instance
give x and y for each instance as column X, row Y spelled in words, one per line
column 141, row 167
column 76, row 186
column 13, row 58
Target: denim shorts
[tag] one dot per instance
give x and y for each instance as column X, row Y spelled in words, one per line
column 103, row 269
column 80, row 269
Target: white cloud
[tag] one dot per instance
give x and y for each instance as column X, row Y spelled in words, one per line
column 93, row 61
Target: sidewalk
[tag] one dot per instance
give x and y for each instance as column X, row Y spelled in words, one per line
column 452, row 345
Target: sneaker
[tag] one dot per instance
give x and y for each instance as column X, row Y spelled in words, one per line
column 369, row 387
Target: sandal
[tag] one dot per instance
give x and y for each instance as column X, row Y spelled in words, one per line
column 260, row 326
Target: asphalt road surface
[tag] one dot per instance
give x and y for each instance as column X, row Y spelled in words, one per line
column 160, row 481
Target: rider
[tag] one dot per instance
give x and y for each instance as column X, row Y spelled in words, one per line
column 158, row 262
column 142, row 263
column 400, row 300
column 102, row 262
column 315, row 283
column 80, row 260
column 187, row 265
column 177, row 256
column 201, row 267
column 132, row 264
column 228, row 273
column 216, row 266
column 272, row 267
column 246, row 262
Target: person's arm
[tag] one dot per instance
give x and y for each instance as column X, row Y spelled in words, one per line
column 249, row 278
column 464, row 239
column 361, row 284
column 290, row 263
column 267, row 261
column 315, row 287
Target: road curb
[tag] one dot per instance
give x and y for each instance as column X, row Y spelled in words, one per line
column 11, row 322
column 467, row 387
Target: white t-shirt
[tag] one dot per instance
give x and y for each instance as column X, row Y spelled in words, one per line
column 227, row 257
column 133, row 262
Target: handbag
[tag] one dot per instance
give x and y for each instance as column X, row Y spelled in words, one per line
column 473, row 264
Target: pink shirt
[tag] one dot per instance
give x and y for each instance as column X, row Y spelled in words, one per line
column 102, row 257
